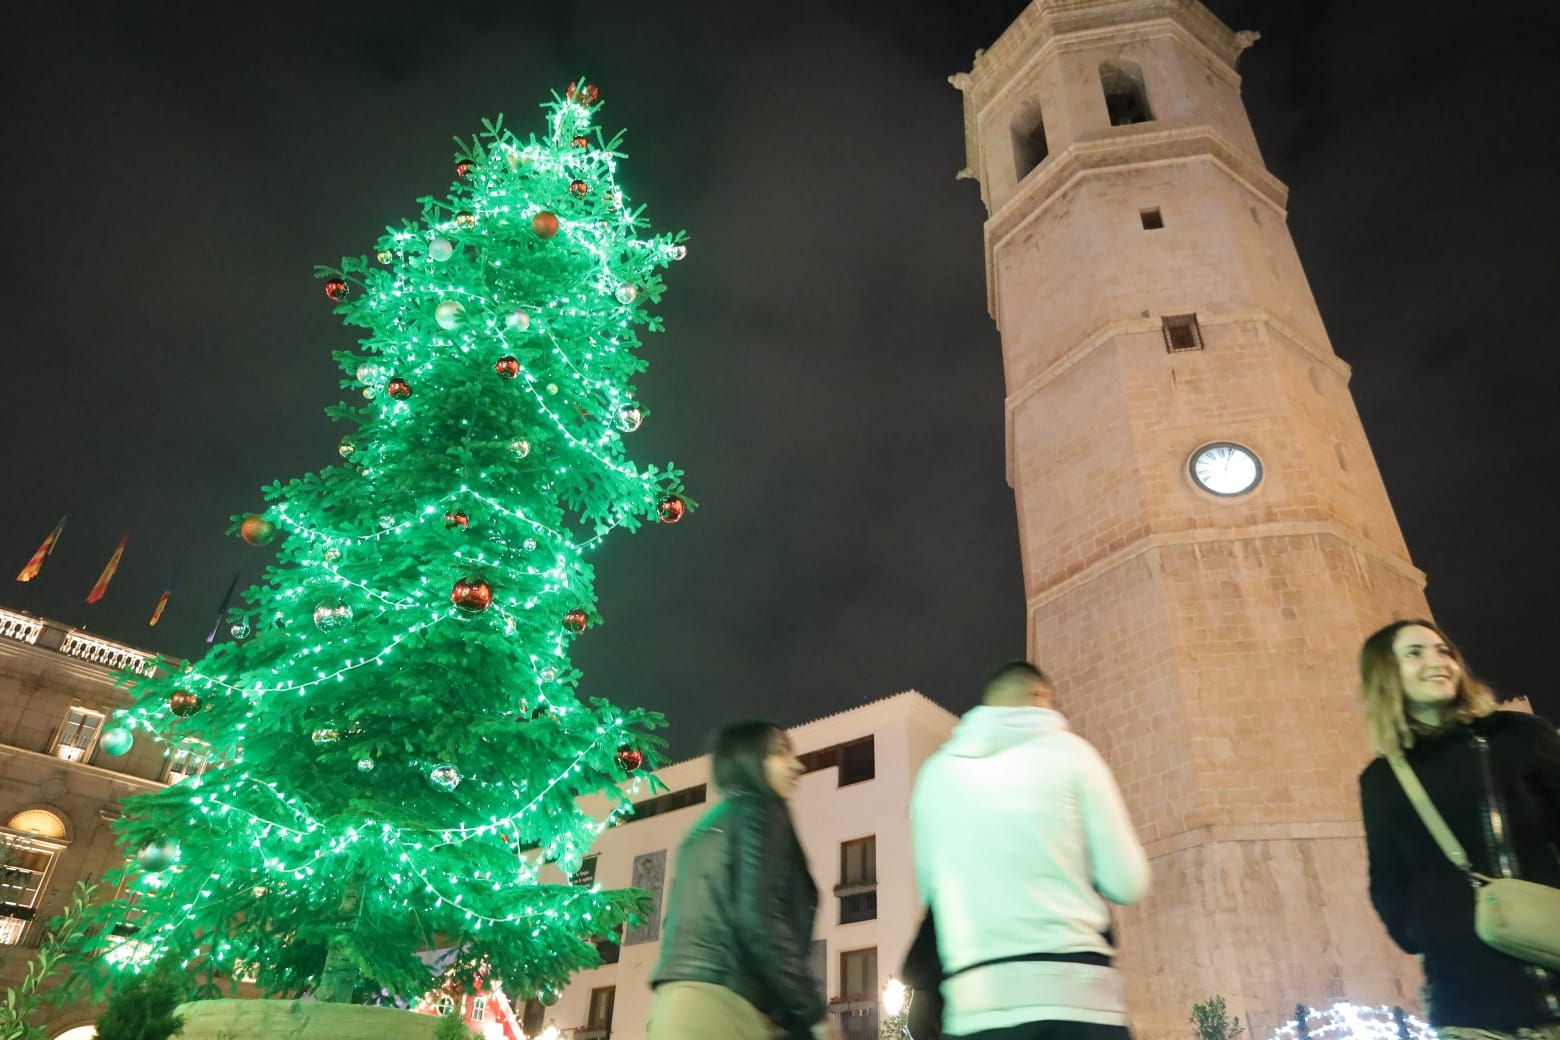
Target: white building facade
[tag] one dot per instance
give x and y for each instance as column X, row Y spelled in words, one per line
column 852, row 816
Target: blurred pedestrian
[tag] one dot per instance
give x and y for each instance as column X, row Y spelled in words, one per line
column 740, row 916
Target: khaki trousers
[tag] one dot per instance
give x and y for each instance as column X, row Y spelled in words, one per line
column 704, row 1011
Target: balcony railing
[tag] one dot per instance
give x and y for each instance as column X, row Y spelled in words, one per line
column 50, row 635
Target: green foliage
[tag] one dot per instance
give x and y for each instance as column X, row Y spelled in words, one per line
column 64, row 939
column 382, row 757
column 452, row 1028
column 143, row 1009
column 1211, row 1020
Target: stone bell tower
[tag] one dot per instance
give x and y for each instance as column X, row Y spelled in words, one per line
column 1206, row 538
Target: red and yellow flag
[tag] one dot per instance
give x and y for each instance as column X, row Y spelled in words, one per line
column 108, row 572
column 35, row 564
column 162, row 601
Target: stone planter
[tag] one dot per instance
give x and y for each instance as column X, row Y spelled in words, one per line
column 300, row 1020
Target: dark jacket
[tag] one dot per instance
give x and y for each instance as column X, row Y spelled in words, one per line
column 1427, row 904
column 741, row 911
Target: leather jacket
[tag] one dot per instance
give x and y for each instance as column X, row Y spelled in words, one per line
column 741, row 911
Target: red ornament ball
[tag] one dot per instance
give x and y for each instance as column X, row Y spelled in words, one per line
column 579, row 188
column 545, row 224
column 586, row 95
column 456, row 519
column 630, row 758
column 576, row 620
column 672, row 509
column 581, row 141
column 473, row 595
column 183, row 703
column 337, row 289
column 507, row 366
column 398, row 388
column 257, row 530
column 463, row 168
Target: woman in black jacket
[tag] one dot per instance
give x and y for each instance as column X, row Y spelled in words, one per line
column 740, row 917
column 1495, row 777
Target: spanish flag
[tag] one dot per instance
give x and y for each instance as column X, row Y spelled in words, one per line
column 162, row 601
column 35, row 564
column 108, row 572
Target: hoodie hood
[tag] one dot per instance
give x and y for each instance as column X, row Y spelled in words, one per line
column 985, row 730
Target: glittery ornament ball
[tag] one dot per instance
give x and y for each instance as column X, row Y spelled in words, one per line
column 545, row 224
column 629, row 758
column 507, row 366
column 580, row 141
column 183, row 703
column 627, row 294
column 383, row 256
column 521, row 447
column 579, row 188
column 473, row 595
column 457, row 519
column 347, row 448
column 548, row 674
column 450, row 315
column 398, row 388
column 116, row 740
column 576, row 620
column 441, row 249
column 679, row 252
column 518, row 320
column 331, row 615
column 630, row 418
column 529, row 545
column 337, row 289
column 444, row 776
column 321, row 737
column 463, row 168
column 671, row 509
column 387, row 521
column 157, row 855
column 332, row 554
column 240, row 630
column 365, row 765
column 466, row 219
column 371, row 373
column 257, row 530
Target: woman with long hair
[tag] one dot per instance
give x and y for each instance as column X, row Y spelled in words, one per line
column 1494, row 776
column 740, row 917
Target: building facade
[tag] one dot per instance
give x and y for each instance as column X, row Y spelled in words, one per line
column 852, row 816
column 59, row 790
column 1206, row 538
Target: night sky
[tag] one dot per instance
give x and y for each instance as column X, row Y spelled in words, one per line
column 830, row 380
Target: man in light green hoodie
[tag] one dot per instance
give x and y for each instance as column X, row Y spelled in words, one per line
column 1021, row 843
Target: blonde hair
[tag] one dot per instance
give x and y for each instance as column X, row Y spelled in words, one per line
column 1391, row 728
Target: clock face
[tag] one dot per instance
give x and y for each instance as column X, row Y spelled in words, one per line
column 1226, row 468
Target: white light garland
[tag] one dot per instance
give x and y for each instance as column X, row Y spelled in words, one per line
column 1346, row 1021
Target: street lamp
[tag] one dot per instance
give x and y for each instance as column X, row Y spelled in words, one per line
column 896, row 1011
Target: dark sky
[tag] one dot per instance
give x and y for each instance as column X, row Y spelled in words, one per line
column 830, row 380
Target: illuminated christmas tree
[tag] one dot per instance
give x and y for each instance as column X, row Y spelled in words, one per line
column 396, row 745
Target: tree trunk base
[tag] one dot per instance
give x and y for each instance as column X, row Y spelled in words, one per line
column 300, row 1020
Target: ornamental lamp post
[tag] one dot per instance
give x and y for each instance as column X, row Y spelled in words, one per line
column 896, row 1010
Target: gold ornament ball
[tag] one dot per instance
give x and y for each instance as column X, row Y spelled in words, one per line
column 466, row 219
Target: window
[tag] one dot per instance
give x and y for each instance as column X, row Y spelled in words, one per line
column 446, row 1005
column 857, row 762
column 1125, row 99
column 183, row 763
column 78, row 734
column 1151, row 218
column 610, row 949
column 854, row 760
column 857, row 890
column 478, row 1009
column 1028, row 133
column 12, row 929
column 25, row 862
column 1182, row 333
column 669, row 802
column 599, row 1023
column 858, row 974
column 857, row 1006
column 532, row 1016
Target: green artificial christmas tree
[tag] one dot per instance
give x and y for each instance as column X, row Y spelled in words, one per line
column 395, row 739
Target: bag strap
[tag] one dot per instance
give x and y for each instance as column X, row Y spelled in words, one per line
column 1426, row 809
